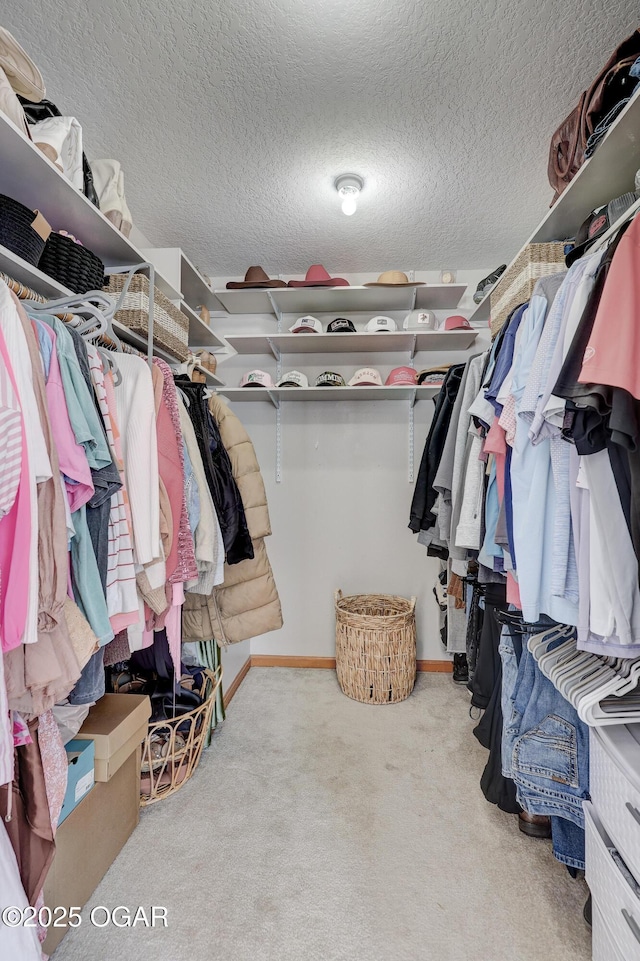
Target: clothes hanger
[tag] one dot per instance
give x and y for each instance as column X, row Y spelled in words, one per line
column 108, row 359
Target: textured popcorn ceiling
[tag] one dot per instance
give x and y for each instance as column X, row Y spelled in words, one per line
column 232, row 119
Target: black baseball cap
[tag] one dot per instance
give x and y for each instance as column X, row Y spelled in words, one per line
column 329, row 378
column 599, row 221
column 341, row 326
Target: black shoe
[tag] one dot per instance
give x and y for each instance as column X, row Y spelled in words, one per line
column 460, row 669
column 485, row 285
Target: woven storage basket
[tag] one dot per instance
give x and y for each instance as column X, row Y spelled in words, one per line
column 516, row 284
column 17, row 231
column 71, row 264
column 164, row 776
column 170, row 326
column 375, row 647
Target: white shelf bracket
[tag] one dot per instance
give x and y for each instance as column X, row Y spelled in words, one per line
column 411, row 438
column 412, row 349
column 276, row 311
column 275, row 350
column 278, row 445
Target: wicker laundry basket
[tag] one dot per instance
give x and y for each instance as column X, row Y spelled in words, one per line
column 184, row 738
column 375, row 647
column 170, row 325
column 516, row 284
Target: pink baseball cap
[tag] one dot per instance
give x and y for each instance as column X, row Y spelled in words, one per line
column 457, row 322
column 256, row 378
column 402, row 375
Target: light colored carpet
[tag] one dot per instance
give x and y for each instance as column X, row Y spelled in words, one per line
column 320, row 829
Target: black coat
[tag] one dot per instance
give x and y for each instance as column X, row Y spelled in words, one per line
column 217, row 467
column 424, row 496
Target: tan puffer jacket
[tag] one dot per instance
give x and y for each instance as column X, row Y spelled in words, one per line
column 247, row 603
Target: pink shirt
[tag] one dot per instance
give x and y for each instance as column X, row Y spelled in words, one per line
column 73, row 459
column 15, row 532
column 613, row 351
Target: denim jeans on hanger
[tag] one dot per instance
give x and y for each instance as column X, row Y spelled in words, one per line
column 509, row 677
column 550, row 757
column 512, row 641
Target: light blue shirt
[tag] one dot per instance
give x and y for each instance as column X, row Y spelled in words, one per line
column 532, row 486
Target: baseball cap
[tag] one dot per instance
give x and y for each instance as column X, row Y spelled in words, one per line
column 306, row 325
column 422, row 320
column 256, row 378
column 341, row 326
column 599, row 221
column 401, row 375
column 330, row 379
column 366, row 376
column 432, row 375
column 381, row 323
column 457, row 322
column 293, row 379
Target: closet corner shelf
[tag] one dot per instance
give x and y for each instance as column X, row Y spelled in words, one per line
column 276, row 395
column 200, row 334
column 29, row 177
column 609, row 173
column 336, row 300
column 173, row 262
column 195, row 289
column 408, row 341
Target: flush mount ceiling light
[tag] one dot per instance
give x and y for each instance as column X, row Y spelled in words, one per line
column 349, row 186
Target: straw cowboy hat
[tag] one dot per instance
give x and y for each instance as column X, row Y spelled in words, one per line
column 395, row 278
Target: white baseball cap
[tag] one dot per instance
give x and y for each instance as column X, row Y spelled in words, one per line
column 366, row 376
column 306, row 325
column 420, row 320
column 293, row 379
column 256, row 378
column 381, row 323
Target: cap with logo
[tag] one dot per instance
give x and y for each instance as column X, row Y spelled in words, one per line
column 401, row 375
column 381, row 323
column 330, row 379
column 423, row 320
column 293, row 379
column 457, row 322
column 432, row 376
column 341, row 326
column 366, row 376
column 598, row 221
column 256, row 378
column 306, row 325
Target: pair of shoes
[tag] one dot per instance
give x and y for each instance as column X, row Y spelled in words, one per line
column 485, row 285
column 534, row 825
column 460, row 669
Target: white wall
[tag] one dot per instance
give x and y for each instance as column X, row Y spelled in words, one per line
column 234, row 658
column 340, row 514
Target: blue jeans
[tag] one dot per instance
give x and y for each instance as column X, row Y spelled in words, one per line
column 550, row 758
column 509, row 678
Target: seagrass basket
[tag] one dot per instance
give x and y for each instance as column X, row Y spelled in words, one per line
column 183, row 739
column 170, row 325
column 376, row 647
column 516, row 284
